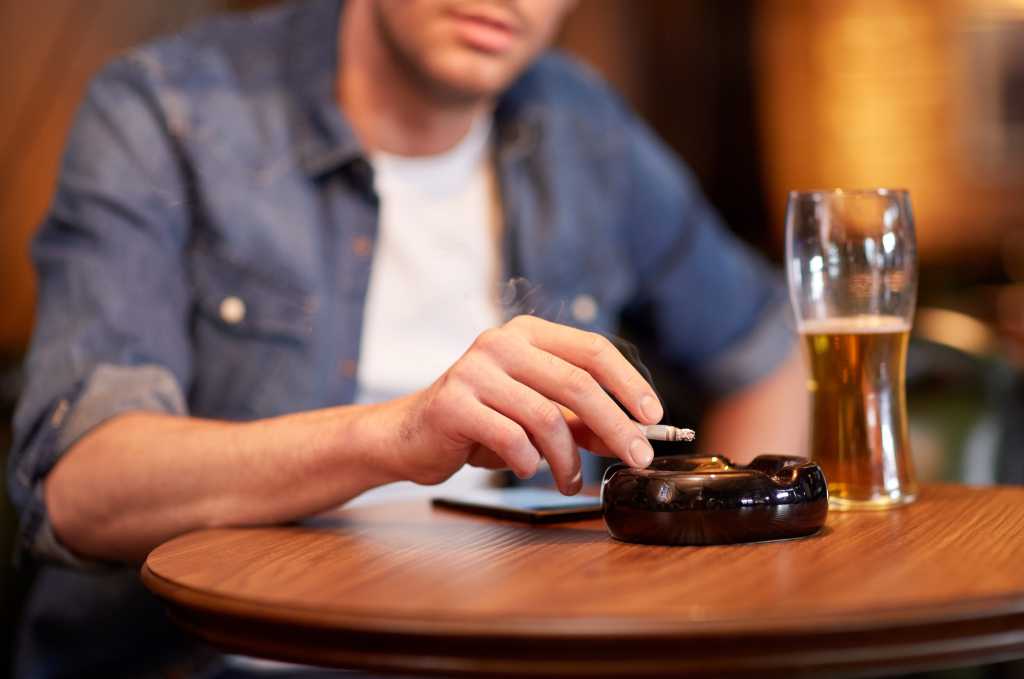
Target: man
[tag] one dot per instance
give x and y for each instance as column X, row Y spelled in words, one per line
column 213, row 346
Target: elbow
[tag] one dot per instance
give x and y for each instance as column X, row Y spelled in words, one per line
column 79, row 520
column 70, row 521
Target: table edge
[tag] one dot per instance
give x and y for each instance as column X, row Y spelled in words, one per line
column 474, row 652
column 583, row 627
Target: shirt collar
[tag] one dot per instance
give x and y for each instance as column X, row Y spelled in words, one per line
column 324, row 138
column 517, row 122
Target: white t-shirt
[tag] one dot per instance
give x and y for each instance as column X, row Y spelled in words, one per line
column 434, row 283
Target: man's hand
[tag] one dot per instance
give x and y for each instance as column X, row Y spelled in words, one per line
column 528, row 390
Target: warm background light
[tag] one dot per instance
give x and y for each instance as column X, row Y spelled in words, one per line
column 897, row 93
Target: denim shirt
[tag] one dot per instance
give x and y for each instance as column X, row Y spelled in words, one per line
column 208, row 249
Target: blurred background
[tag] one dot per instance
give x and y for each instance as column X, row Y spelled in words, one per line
column 759, row 97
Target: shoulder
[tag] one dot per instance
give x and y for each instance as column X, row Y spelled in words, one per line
column 564, row 86
column 221, row 88
column 585, row 123
column 235, row 48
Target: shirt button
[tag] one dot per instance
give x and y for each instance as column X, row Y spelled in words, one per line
column 232, row 310
column 347, row 368
column 361, row 245
column 584, row 309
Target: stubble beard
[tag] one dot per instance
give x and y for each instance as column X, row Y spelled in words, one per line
column 437, row 92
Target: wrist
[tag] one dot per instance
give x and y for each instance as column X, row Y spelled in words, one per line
column 377, row 438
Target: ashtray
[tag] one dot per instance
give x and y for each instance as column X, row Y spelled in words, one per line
column 708, row 500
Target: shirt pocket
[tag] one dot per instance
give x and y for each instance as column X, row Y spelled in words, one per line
column 252, row 339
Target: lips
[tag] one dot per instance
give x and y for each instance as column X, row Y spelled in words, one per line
column 485, row 29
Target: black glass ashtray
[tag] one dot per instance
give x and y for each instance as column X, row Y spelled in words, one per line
column 707, row 500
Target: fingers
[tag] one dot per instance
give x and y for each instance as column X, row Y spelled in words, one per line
column 577, row 389
column 503, row 436
column 485, row 458
column 598, row 356
column 520, row 374
column 584, row 436
column 543, row 422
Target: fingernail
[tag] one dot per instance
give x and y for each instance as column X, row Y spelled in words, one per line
column 641, row 452
column 576, row 483
column 651, row 409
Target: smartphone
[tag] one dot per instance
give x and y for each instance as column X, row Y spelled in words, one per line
column 532, row 505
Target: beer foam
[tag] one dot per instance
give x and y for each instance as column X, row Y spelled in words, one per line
column 864, row 324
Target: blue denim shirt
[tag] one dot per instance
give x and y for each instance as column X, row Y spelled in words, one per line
column 205, row 253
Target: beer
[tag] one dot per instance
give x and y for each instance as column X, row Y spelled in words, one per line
column 858, row 404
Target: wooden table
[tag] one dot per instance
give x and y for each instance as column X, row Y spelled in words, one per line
column 413, row 589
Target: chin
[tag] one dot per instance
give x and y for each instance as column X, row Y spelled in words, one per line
column 469, row 75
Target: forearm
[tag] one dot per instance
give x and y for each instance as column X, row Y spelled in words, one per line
column 770, row 416
column 142, row 478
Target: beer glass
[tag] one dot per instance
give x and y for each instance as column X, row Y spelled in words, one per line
column 851, row 261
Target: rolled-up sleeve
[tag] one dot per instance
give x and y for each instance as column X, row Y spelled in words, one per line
column 717, row 307
column 111, row 331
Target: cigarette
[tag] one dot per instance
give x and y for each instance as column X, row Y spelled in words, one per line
column 663, row 432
